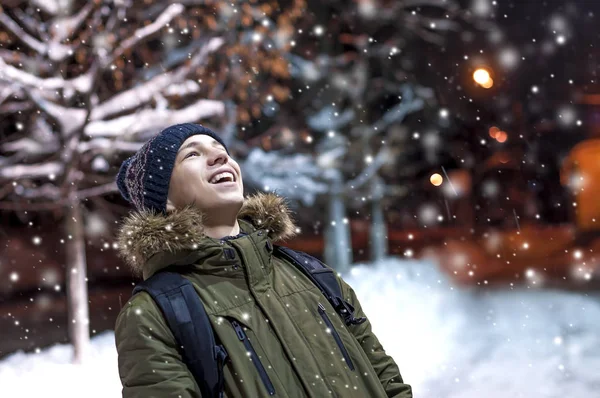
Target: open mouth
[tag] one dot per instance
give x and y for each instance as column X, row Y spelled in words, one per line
column 223, row 177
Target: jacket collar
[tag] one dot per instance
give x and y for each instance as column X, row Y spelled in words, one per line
column 144, row 234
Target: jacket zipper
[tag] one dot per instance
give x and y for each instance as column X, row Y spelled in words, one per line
column 336, row 336
column 259, row 366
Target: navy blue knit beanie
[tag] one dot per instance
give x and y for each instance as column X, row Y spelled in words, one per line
column 143, row 179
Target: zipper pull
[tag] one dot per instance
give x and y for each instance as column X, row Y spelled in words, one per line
column 238, row 330
column 321, row 307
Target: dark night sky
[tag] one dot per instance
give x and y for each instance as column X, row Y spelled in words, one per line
column 543, row 55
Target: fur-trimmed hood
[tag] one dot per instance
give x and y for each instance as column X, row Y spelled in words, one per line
column 146, row 233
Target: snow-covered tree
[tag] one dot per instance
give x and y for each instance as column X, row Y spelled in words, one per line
column 359, row 70
column 83, row 84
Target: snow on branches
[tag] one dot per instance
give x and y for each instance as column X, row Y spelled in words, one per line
column 83, row 84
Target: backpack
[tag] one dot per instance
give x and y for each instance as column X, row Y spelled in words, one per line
column 185, row 314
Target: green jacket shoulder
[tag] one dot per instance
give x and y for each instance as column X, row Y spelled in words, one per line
column 149, row 362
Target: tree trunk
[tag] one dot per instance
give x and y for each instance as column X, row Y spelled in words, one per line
column 379, row 241
column 338, row 247
column 77, row 293
column 378, row 238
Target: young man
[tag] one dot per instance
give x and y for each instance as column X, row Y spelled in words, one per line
column 190, row 209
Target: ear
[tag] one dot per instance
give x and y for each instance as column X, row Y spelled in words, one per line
column 170, row 206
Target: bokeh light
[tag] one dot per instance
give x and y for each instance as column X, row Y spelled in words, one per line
column 436, row 179
column 483, row 78
column 494, row 131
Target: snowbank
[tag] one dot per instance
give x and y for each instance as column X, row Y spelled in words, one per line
column 453, row 343
column 49, row 373
column 448, row 343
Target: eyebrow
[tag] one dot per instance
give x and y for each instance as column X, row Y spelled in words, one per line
column 215, row 143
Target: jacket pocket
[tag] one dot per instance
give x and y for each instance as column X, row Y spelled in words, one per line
column 252, row 353
column 336, row 336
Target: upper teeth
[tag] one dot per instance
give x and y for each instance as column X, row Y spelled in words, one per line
column 221, row 175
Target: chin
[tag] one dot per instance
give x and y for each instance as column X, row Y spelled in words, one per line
column 231, row 199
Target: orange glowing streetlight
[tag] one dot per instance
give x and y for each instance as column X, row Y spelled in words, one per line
column 497, row 134
column 494, row 131
column 483, row 78
column 436, row 179
column 501, row 136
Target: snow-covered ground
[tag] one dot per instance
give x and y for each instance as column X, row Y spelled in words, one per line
column 449, row 343
column 452, row 343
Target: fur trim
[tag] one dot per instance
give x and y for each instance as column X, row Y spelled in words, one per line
column 146, row 233
column 271, row 212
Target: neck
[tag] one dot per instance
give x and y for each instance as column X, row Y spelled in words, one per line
column 220, row 230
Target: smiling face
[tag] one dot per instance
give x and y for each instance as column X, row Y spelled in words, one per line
column 204, row 175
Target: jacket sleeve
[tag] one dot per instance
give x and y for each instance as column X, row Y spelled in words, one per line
column 384, row 365
column 149, row 363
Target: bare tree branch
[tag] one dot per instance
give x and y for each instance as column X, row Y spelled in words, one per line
column 97, row 191
column 213, row 45
column 20, row 59
column 29, row 146
column 55, row 51
column 182, row 89
column 16, row 172
column 441, row 24
column 50, row 6
column 409, row 104
column 52, row 193
column 152, row 119
column 11, row 56
column 425, row 34
column 369, row 172
column 14, row 107
column 29, row 23
column 146, row 32
column 41, row 141
column 7, row 92
column 70, row 119
column 154, row 9
column 117, row 15
column 9, row 73
column 15, row 29
column 172, row 59
column 46, row 191
column 64, row 27
column 100, row 144
column 143, row 93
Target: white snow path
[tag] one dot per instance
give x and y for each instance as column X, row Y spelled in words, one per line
column 448, row 343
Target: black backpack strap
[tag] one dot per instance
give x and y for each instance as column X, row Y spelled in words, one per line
column 324, row 278
column 187, row 319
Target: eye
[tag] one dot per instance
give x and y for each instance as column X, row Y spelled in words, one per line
column 191, row 153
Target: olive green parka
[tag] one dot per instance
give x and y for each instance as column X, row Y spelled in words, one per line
column 296, row 344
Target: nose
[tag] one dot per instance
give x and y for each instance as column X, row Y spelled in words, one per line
column 217, row 157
